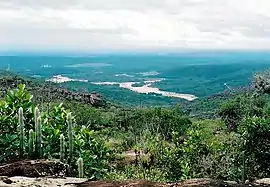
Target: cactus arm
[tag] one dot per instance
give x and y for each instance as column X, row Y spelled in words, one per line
column 38, row 138
column 80, row 167
column 62, row 148
column 21, row 124
column 31, row 143
column 70, row 135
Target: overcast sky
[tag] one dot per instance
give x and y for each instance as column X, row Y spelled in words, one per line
column 120, row 25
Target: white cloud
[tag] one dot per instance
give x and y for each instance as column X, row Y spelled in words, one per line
column 91, row 25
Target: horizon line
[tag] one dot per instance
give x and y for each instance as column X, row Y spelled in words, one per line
column 135, row 52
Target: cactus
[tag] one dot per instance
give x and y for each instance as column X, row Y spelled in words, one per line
column 62, row 148
column 31, row 143
column 38, row 137
column 21, row 124
column 80, row 167
column 243, row 169
column 38, row 133
column 70, row 135
column 36, row 114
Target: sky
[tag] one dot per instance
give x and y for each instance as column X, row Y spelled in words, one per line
column 133, row 25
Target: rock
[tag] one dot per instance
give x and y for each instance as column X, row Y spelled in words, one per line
column 33, row 168
column 197, row 182
column 137, row 183
column 265, row 181
column 43, row 182
column 230, row 183
column 6, row 180
column 76, row 182
column 45, row 92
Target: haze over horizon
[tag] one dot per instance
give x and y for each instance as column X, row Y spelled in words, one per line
column 126, row 25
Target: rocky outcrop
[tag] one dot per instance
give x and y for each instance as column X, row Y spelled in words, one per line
column 262, row 82
column 53, row 94
column 73, row 182
column 34, row 168
column 46, row 92
column 39, row 182
column 265, row 181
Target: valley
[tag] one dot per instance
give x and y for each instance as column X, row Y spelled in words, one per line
column 145, row 77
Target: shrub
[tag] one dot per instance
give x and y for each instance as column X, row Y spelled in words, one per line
column 234, row 110
column 156, row 120
column 255, row 132
column 95, row 154
column 49, row 126
column 9, row 107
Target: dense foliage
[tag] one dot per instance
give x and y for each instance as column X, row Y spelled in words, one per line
column 158, row 144
column 170, row 146
column 54, row 122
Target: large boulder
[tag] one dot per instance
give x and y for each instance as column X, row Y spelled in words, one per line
column 34, row 168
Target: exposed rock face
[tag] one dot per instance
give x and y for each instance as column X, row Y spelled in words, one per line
column 262, row 82
column 51, row 94
column 95, row 99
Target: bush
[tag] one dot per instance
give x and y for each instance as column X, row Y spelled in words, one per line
column 54, row 123
column 234, row 110
column 93, row 151
column 249, row 115
column 90, row 117
column 256, row 134
column 161, row 121
column 9, row 107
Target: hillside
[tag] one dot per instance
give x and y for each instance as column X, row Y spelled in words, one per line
column 200, row 74
column 223, row 137
column 46, row 92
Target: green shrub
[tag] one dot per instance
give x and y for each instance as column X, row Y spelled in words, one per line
column 161, row 121
column 9, row 107
column 92, row 150
column 255, row 132
column 48, row 126
column 235, row 109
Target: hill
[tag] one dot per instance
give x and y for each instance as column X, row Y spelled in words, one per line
column 47, row 92
column 201, row 74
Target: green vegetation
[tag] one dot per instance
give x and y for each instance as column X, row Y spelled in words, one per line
column 158, row 144
column 48, row 126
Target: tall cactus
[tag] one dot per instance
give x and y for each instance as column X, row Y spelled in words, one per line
column 36, row 114
column 80, row 167
column 38, row 133
column 70, row 136
column 31, row 143
column 62, row 148
column 21, row 124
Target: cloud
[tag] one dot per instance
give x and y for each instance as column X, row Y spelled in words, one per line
column 86, row 25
